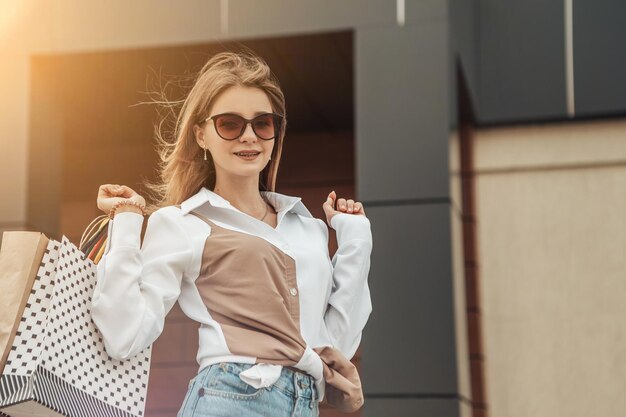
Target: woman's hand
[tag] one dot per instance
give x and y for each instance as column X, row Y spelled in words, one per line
column 109, row 194
column 343, row 206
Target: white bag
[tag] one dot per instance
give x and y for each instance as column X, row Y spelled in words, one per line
column 58, row 365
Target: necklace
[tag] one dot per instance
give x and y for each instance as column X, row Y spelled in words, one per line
column 267, row 209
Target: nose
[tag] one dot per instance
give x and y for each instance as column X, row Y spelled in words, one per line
column 248, row 133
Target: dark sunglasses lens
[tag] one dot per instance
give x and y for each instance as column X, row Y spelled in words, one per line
column 266, row 126
column 229, row 126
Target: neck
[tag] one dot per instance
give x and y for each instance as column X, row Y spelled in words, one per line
column 243, row 194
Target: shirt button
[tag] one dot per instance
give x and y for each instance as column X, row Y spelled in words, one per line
column 293, row 291
column 201, row 392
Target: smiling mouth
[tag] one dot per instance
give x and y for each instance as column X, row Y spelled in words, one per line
column 247, row 155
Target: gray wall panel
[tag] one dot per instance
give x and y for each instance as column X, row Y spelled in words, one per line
column 402, row 111
column 254, row 18
column 414, row 407
column 409, row 343
column 424, row 11
column 464, row 24
column 522, row 62
column 599, row 56
column 453, row 115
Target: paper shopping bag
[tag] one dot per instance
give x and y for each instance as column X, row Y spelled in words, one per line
column 20, row 257
column 58, row 365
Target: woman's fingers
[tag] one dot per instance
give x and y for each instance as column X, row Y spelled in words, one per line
column 350, row 206
column 346, row 205
column 116, row 190
column 107, row 190
column 331, row 199
column 329, row 204
column 109, row 194
column 341, row 204
column 126, row 191
column 333, row 205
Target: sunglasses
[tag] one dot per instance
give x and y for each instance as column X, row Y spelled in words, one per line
column 230, row 126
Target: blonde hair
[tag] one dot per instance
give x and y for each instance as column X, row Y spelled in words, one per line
column 182, row 168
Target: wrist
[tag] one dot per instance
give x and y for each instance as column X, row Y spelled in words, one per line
column 126, row 206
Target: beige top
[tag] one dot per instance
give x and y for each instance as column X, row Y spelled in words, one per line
column 244, row 282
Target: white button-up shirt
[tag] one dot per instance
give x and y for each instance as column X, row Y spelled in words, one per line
column 138, row 283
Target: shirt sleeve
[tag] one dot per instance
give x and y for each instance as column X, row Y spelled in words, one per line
column 137, row 286
column 349, row 304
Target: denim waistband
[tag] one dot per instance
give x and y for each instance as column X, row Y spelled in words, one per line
column 291, row 382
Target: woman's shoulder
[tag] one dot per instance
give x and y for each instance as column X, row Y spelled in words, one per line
column 167, row 214
column 172, row 220
column 169, row 211
column 188, row 220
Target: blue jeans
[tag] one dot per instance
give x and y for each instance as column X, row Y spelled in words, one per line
column 217, row 391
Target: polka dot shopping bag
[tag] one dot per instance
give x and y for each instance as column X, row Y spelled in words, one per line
column 57, row 363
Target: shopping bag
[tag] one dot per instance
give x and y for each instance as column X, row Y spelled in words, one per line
column 20, row 256
column 58, row 365
column 30, row 333
column 94, row 238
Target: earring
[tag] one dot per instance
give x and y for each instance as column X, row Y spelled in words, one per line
column 205, row 154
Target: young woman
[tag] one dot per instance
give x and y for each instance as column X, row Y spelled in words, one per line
column 250, row 265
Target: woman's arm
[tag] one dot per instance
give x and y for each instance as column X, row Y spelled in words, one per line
column 349, row 304
column 137, row 287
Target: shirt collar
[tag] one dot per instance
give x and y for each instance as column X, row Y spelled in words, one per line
column 280, row 202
